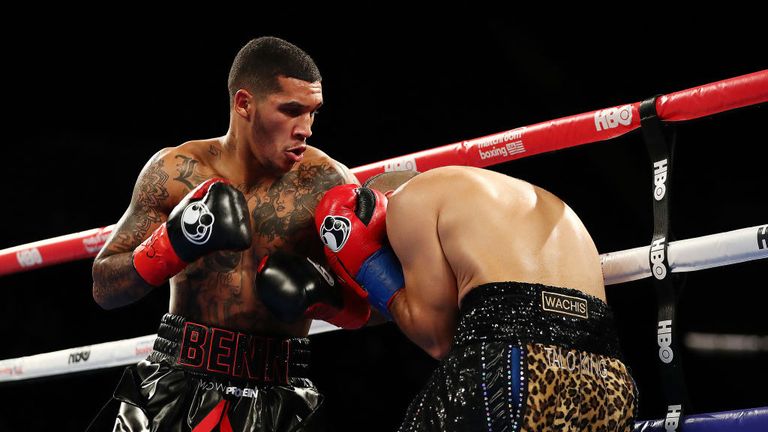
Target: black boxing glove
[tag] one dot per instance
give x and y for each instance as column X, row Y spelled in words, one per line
column 294, row 287
column 211, row 217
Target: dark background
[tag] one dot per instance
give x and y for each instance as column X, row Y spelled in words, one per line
column 87, row 103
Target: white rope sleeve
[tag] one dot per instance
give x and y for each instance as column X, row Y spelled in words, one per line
column 100, row 356
column 694, row 254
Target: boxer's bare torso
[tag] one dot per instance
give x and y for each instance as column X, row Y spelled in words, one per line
column 218, row 289
column 455, row 228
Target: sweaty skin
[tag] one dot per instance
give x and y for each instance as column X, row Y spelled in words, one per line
column 455, row 228
column 265, row 156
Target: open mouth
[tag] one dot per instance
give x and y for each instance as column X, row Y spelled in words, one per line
column 295, row 153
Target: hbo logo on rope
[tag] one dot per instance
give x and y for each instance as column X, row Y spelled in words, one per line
column 29, row 257
column 664, row 338
column 613, row 117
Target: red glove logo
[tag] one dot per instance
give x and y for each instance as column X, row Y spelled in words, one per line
column 335, row 232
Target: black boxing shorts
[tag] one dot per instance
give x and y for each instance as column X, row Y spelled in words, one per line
column 528, row 357
column 201, row 378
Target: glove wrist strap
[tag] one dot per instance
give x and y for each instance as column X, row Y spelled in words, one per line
column 155, row 260
column 382, row 276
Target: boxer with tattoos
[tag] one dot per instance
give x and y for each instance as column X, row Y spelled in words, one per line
column 201, row 217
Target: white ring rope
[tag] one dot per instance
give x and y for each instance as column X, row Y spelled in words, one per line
column 694, row 254
column 91, row 357
column 699, row 253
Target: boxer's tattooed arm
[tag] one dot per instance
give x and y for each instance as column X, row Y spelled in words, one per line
column 189, row 172
column 149, row 196
column 115, row 283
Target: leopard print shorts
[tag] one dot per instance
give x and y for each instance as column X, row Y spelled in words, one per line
column 517, row 367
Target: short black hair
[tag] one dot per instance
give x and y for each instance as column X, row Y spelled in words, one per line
column 258, row 64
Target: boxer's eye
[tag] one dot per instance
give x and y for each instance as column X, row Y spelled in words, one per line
column 293, row 109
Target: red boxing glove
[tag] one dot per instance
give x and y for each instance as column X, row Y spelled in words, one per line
column 352, row 223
